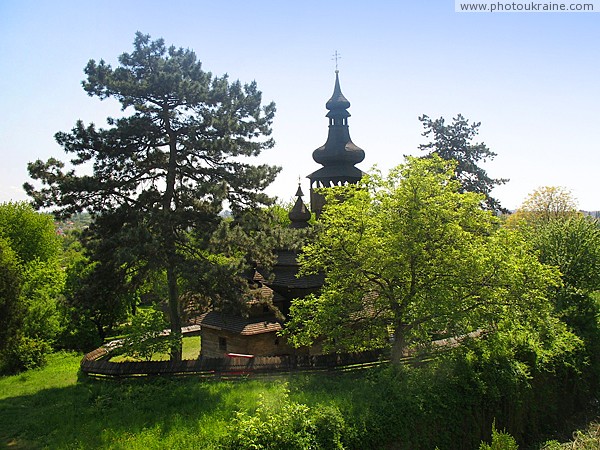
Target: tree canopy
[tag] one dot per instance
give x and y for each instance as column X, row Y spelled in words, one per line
column 454, row 142
column 545, row 204
column 32, row 235
column 161, row 175
column 409, row 256
column 32, row 282
column 11, row 310
column 570, row 241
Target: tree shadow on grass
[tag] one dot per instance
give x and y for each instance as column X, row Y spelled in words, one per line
column 95, row 414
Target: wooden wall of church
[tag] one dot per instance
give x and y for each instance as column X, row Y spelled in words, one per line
column 217, row 343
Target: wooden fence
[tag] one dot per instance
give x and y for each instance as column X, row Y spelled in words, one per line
column 96, row 364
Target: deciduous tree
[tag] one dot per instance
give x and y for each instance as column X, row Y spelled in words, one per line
column 11, row 310
column 544, row 205
column 572, row 244
column 32, row 285
column 409, row 256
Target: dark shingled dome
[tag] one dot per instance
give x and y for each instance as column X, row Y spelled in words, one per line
column 339, row 151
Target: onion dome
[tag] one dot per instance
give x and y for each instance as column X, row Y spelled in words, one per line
column 337, row 100
column 339, row 154
column 299, row 215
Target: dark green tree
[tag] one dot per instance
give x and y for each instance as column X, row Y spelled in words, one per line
column 96, row 299
column 454, row 142
column 11, row 310
column 160, row 176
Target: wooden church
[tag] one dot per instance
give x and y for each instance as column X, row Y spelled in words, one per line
column 257, row 335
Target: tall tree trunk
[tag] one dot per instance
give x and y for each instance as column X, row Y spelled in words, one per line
column 169, row 237
column 174, row 312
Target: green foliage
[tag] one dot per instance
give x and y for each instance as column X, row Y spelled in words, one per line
column 31, row 234
column 95, row 301
column 145, row 335
column 588, row 439
column 161, row 175
column 23, row 353
column 500, row 441
column 573, row 245
column 454, row 143
column 43, row 287
column 286, row 424
column 11, row 309
column 545, row 204
column 413, row 255
column 32, row 284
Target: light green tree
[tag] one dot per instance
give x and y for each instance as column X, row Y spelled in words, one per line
column 543, row 205
column 408, row 256
column 146, row 335
column 32, row 248
column 32, row 235
column 572, row 244
column 569, row 241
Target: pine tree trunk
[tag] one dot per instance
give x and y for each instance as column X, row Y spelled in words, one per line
column 171, row 250
column 174, row 313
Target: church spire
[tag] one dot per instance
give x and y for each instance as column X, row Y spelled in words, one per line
column 339, row 154
column 337, row 102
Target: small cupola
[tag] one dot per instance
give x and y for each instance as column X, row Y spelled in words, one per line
column 299, row 215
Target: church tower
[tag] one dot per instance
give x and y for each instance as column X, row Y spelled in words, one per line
column 339, row 154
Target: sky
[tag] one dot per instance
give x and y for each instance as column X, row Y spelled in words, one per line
column 531, row 79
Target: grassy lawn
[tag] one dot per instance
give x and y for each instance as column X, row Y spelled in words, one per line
column 191, row 350
column 51, row 408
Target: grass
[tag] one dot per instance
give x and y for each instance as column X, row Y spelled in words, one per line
column 191, row 350
column 52, row 408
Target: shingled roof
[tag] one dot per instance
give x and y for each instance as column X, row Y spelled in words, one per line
column 236, row 324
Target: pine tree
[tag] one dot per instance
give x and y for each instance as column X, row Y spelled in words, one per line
column 161, row 174
column 454, row 142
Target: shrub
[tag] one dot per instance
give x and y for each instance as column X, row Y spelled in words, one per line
column 286, row 425
column 23, row 353
column 146, row 335
column 500, row 441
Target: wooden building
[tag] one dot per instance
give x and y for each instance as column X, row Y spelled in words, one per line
column 257, row 335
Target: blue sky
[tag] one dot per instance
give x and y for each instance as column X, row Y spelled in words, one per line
column 531, row 79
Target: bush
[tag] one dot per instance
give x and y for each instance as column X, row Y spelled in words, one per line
column 146, row 336
column 286, row 425
column 500, row 441
column 23, row 353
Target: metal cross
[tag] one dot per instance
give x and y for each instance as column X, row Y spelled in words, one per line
column 335, row 57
